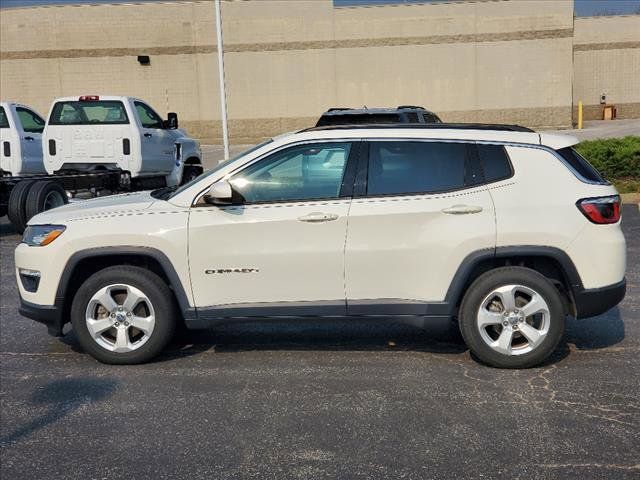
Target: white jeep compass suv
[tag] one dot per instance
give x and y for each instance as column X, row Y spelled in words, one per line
column 504, row 229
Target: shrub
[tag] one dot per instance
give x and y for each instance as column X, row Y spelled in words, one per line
column 615, row 158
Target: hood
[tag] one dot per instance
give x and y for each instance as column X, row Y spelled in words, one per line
column 95, row 208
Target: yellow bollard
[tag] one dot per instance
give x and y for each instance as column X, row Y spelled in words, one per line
column 580, row 115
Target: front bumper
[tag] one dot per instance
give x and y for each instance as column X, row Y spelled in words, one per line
column 50, row 315
column 595, row 301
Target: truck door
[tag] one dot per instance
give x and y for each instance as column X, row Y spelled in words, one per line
column 156, row 144
column 31, row 125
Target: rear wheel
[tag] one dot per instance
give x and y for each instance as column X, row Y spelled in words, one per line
column 17, row 202
column 123, row 315
column 44, row 195
column 512, row 317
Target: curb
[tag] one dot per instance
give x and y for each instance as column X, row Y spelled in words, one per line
column 631, row 198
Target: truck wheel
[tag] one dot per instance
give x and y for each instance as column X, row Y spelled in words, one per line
column 123, row 315
column 512, row 317
column 16, row 207
column 190, row 172
column 44, row 195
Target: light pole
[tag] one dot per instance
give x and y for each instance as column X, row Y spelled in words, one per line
column 223, row 89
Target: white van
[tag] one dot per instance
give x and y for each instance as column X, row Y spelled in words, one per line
column 20, row 140
column 91, row 132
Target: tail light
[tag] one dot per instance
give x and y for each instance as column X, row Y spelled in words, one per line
column 601, row 210
column 89, row 98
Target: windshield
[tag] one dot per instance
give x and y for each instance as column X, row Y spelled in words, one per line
column 98, row 112
column 170, row 192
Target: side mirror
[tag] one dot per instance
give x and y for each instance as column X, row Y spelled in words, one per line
column 172, row 120
column 220, row 193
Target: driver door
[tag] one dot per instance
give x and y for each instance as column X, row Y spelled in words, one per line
column 156, row 145
column 281, row 250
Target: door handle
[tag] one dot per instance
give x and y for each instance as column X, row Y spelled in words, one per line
column 462, row 209
column 148, row 135
column 28, row 138
column 318, row 217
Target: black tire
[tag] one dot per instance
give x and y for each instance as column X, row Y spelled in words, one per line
column 478, row 292
column 17, row 202
column 155, row 289
column 39, row 198
column 190, row 172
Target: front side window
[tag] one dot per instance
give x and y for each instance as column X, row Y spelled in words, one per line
column 305, row 172
column 148, row 117
column 406, row 167
column 31, row 121
column 4, row 121
column 98, row 112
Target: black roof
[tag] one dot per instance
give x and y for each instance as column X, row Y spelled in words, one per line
column 425, row 126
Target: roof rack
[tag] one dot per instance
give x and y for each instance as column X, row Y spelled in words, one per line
column 424, row 126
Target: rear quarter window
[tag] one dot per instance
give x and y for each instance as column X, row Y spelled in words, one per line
column 101, row 112
column 580, row 165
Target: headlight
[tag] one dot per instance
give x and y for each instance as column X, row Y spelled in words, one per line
column 41, row 235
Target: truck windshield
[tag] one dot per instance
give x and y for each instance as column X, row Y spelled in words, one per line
column 4, row 121
column 101, row 112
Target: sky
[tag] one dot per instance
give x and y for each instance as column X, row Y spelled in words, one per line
column 583, row 8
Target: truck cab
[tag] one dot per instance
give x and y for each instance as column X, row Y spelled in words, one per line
column 97, row 132
column 21, row 140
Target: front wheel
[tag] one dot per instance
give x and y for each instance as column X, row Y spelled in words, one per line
column 123, row 315
column 512, row 317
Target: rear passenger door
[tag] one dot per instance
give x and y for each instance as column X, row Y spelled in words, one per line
column 419, row 208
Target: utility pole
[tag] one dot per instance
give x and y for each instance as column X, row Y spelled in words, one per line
column 223, row 89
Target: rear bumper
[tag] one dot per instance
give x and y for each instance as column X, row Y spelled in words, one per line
column 595, row 301
column 50, row 315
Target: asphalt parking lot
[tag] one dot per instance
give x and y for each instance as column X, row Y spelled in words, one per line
column 306, row 399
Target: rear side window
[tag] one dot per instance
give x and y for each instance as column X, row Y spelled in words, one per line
column 4, row 121
column 101, row 112
column 430, row 118
column 399, row 168
column 495, row 162
column 581, row 165
column 31, row 121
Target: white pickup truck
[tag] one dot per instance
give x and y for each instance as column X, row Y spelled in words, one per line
column 91, row 132
column 93, row 145
column 21, row 140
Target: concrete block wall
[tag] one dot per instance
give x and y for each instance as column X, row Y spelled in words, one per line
column 287, row 61
column 606, row 57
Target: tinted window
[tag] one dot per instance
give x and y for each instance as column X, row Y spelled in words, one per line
column 4, row 121
column 359, row 118
column 304, row 172
column 412, row 117
column 148, row 117
column 31, row 122
column 430, row 118
column 581, row 165
column 494, row 161
column 417, row 167
column 105, row 112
